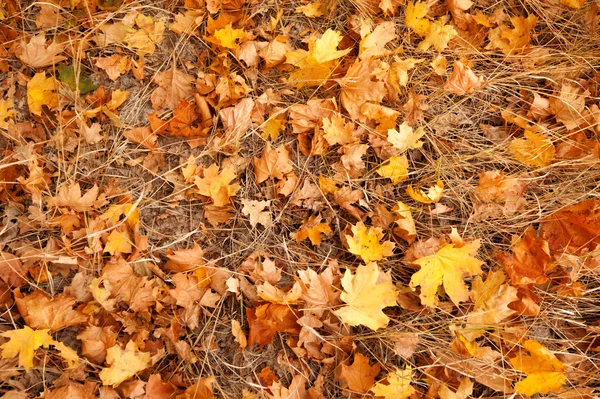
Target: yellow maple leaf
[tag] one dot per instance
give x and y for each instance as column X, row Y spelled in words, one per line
column 118, row 241
column 438, row 36
column 131, row 212
column 405, row 138
column 228, row 35
column 124, row 364
column 366, row 293
column 311, row 10
column 6, row 112
column 398, row 385
column 312, row 229
column 25, row 341
column 533, row 150
column 395, row 168
column 545, row 373
column 508, row 39
column 324, row 49
column 433, row 195
column 415, row 17
column 447, row 268
column 41, row 91
column 217, row 185
column 373, row 44
column 145, row 39
column 365, row 244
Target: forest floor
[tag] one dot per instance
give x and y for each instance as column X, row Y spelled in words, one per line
column 301, row 200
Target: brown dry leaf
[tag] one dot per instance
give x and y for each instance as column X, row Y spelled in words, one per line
column 95, row 341
column 12, row 271
column 373, row 44
column 114, row 65
column 496, row 188
column 573, row 228
column 296, row 390
column 337, row 131
column 569, row 105
column 510, row 40
column 238, row 334
column 351, row 163
column 43, row 312
column 433, row 195
column 345, row 197
column 256, row 211
column 173, row 85
column 359, row 87
column 266, row 320
column 530, row 261
column 405, row 224
column 319, row 292
column 143, row 136
column 91, row 134
column 273, row 163
column 463, row 80
column 312, row 229
column 69, row 196
column 124, row 364
column 360, row 376
column 38, row 54
column 185, row 260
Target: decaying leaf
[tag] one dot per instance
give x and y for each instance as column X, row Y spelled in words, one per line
column 360, row 376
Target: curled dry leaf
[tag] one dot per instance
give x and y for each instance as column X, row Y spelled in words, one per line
column 463, row 80
column 545, row 373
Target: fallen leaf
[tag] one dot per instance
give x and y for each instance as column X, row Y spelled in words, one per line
column 91, row 134
column 545, row 373
column 464, row 391
column 37, row 54
column 365, row 243
column 23, row 342
column 438, row 36
column 118, row 241
column 114, row 65
column 12, row 271
column 228, row 36
column 266, row 320
column 311, row 10
column 238, row 334
column 143, row 136
column 447, row 268
column 415, row 17
column 405, row 224
column 433, row 195
column 43, row 312
column 510, row 40
column 373, row 44
column 366, row 293
column 312, row 229
column 405, row 138
column 337, row 131
column 360, row 376
column 123, row 364
column 82, row 83
column 7, row 113
column 398, row 385
column 463, row 80
column 173, row 85
column 185, row 260
column 395, row 169
column 573, row 228
column 217, row 185
column 40, row 92
column 257, row 213
column 533, row 150
column 69, row 196
column 568, row 107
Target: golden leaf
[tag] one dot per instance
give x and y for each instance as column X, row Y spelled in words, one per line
column 6, row 112
column 533, row 150
column 545, row 373
column 415, row 17
column 366, row 293
column 217, row 185
column 124, row 364
column 41, row 91
column 118, row 241
column 312, row 230
column 398, row 385
column 365, row 244
column 438, row 36
column 433, row 195
column 405, row 138
column 228, row 36
column 395, row 168
column 447, row 267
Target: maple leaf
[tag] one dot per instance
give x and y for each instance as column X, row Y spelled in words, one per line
column 510, row 40
column 405, row 224
column 366, row 293
column 530, row 260
column 398, row 386
column 185, row 260
column 569, row 105
column 312, row 229
column 188, row 22
column 464, row 391
column 114, row 65
column 574, row 228
column 228, row 36
column 69, row 196
column 398, row 74
column 373, row 44
column 12, row 271
column 37, row 54
column 41, row 91
column 145, row 39
column 405, row 138
column 360, row 376
column 266, row 320
column 495, row 187
column 337, row 131
column 256, row 210
column 433, row 195
column 415, row 17
column 324, row 49
column 491, row 299
column 217, row 185
column 438, row 36
column 95, row 340
column 365, row 244
column 533, row 150
column 25, row 341
column 463, row 80
column 173, row 86
column 124, row 364
column 275, row 162
column 43, row 312
column 143, row 136
column 118, row 241
column 447, row 267
column 7, row 113
column 395, row 168
column 91, row 134
column 358, row 86
column 311, row 10
column 545, row 373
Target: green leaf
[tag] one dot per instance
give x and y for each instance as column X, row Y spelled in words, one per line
column 66, row 74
